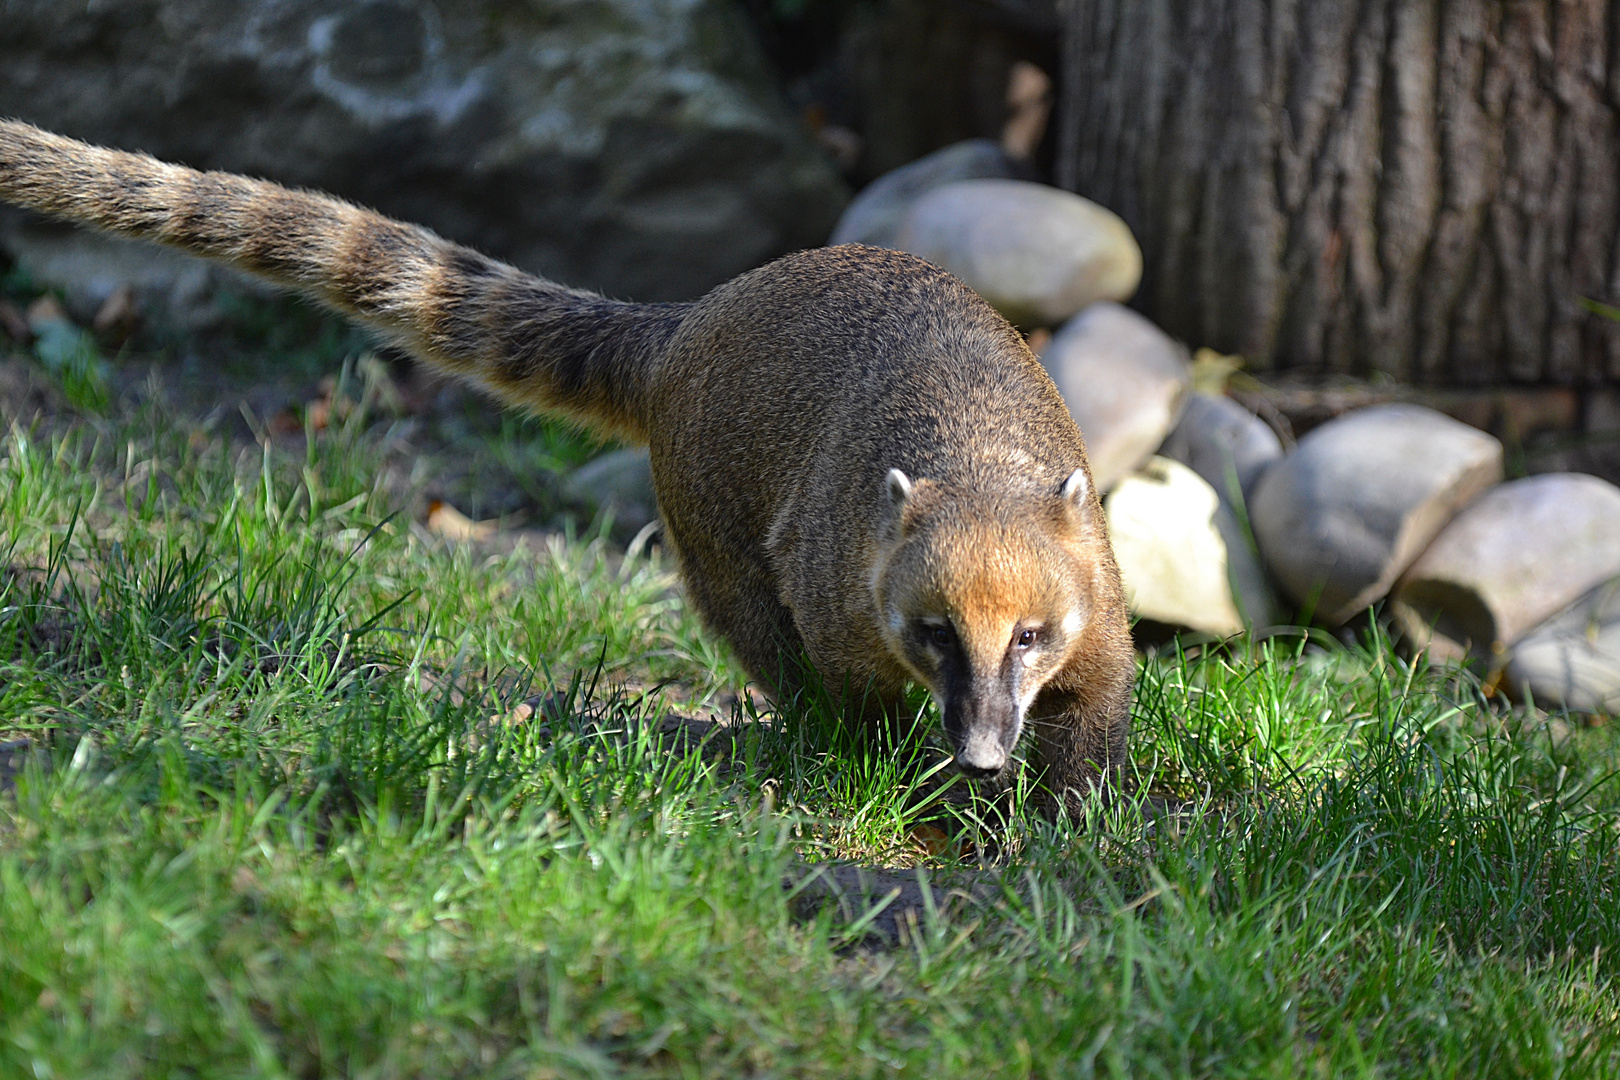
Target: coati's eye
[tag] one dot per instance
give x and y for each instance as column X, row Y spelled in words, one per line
column 1026, row 637
column 940, row 634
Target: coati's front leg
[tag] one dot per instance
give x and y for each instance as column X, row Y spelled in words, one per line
column 741, row 608
column 1079, row 743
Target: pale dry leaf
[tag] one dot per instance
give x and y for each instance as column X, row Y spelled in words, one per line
column 446, row 521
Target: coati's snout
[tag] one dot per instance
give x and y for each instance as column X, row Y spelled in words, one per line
column 984, row 600
column 982, row 722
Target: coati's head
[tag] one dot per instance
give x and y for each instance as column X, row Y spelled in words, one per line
column 987, row 598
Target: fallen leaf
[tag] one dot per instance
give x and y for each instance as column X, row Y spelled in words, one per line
column 1211, row 371
column 13, row 323
column 446, row 521
column 934, row 840
column 117, row 314
column 43, row 312
column 1029, row 106
column 521, row 712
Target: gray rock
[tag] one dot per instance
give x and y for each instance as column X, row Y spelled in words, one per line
column 1125, row 382
column 636, row 146
column 1573, row 660
column 1224, row 443
column 1184, row 560
column 876, row 214
column 90, row 267
column 1037, row 253
column 1340, row 518
column 620, row 482
column 1508, row 562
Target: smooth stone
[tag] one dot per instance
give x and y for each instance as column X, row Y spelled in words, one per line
column 1038, row 254
column 1510, row 561
column 1572, row 661
column 619, row 482
column 1358, row 500
column 90, row 267
column 875, row 215
column 1184, row 560
column 1125, row 382
column 1224, row 443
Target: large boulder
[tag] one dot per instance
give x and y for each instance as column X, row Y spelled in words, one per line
column 1184, row 560
column 1224, row 443
column 1341, row 517
column 1037, row 253
column 876, row 214
column 619, row 482
column 635, row 146
column 1125, row 382
column 1510, row 561
column 1572, row 661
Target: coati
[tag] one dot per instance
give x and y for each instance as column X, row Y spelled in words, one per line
column 859, row 462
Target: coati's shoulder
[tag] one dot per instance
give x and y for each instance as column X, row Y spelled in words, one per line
column 869, row 291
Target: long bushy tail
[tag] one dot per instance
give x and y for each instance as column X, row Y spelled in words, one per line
column 528, row 340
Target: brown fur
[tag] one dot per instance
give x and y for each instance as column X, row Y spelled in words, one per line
column 774, row 407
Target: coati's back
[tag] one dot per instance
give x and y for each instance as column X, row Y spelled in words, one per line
column 872, row 354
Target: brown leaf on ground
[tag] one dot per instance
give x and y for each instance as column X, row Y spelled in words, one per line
column 43, row 312
column 13, row 323
column 318, row 414
column 446, row 521
column 1211, row 371
column 933, row 840
column 118, row 314
column 1029, row 107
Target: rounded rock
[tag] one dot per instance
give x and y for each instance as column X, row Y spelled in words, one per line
column 875, row 215
column 619, row 482
column 1509, row 562
column 1036, row 253
column 1358, row 500
column 1183, row 560
column 1125, row 382
column 1572, row 661
column 1224, row 443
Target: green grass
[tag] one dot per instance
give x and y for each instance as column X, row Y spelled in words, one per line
column 282, row 820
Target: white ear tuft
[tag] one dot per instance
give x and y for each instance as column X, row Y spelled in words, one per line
column 1076, row 488
column 899, row 485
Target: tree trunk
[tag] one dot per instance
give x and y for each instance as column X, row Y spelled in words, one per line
column 1423, row 189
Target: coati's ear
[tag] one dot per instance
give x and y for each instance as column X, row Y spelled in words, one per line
column 908, row 501
column 1076, row 495
column 899, row 485
column 1076, row 488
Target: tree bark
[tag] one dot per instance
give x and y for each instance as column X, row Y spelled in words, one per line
column 1422, row 189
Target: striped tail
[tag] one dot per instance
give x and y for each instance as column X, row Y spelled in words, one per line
column 529, row 341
